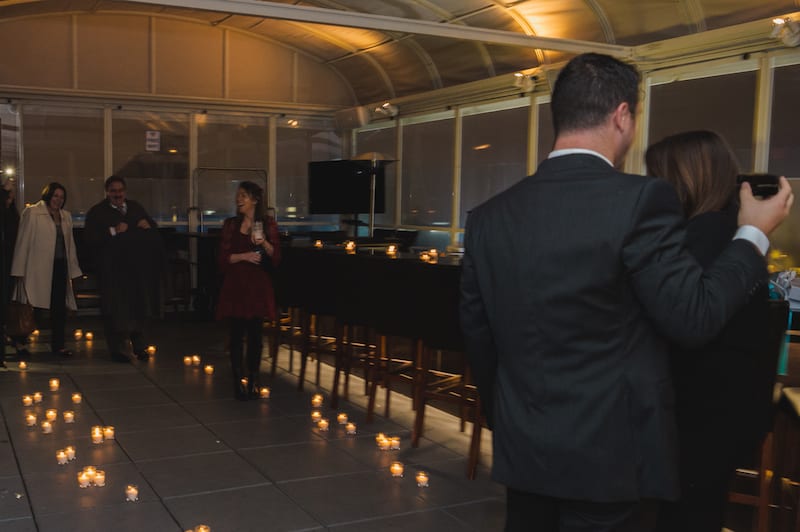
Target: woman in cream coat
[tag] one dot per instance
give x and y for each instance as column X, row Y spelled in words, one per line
column 45, row 260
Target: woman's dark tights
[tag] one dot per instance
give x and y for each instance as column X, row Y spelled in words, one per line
column 248, row 366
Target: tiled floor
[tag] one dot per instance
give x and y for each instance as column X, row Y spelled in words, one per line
column 198, row 456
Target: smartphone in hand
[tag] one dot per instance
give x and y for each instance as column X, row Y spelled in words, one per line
column 762, row 185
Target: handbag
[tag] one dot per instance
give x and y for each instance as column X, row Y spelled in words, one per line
column 19, row 319
column 19, row 312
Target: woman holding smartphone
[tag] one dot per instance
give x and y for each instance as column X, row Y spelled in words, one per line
column 249, row 252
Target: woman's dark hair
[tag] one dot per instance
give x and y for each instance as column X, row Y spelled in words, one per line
column 257, row 193
column 589, row 88
column 50, row 189
column 701, row 167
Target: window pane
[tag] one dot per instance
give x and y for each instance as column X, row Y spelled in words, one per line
column 724, row 104
column 230, row 149
column 428, row 173
column 382, row 141
column 493, row 156
column 64, row 145
column 547, row 135
column 151, row 151
column 784, row 157
column 296, row 147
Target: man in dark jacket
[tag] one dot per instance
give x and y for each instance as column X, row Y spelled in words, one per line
column 128, row 253
column 572, row 282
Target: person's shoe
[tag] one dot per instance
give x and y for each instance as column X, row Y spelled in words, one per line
column 119, row 357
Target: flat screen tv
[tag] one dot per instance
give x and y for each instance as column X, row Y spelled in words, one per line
column 342, row 187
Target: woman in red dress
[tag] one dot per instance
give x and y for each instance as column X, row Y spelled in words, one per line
column 249, row 252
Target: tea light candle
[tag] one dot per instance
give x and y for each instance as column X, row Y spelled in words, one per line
column 395, row 443
column 78, row 334
column 89, row 336
column 37, row 397
column 396, row 469
column 316, row 400
column 385, row 444
column 425, row 256
column 323, row 424
column 342, row 418
column 83, row 480
column 27, row 400
column 51, row 414
column 434, row 256
column 264, row 392
column 350, row 247
column 195, row 360
column 316, row 415
column 69, row 416
column 70, row 452
column 77, row 398
column 108, row 432
column 422, row 479
column 391, row 250
column 55, row 384
column 318, row 244
column 30, row 420
column 35, row 334
column 47, row 427
column 131, row 493
column 61, row 457
column 23, row 365
column 100, row 478
column 90, row 472
column 187, row 360
column 97, row 434
column 202, row 528
column 209, row 369
column 350, row 428
column 151, row 350
column 380, row 436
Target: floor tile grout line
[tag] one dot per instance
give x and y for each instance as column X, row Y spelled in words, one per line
column 221, row 490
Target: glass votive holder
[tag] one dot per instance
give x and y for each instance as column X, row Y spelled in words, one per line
column 396, row 469
column 61, row 457
column 422, row 479
column 37, row 397
column 100, row 478
column 83, row 480
column 264, row 392
column 341, row 418
column 208, row 369
column 55, row 384
column 70, row 452
column 108, row 432
column 77, row 398
column 89, row 336
column 30, row 420
column 350, row 428
column 47, row 427
column 131, row 493
column 51, row 414
column 69, row 416
column 27, row 400
column 323, row 425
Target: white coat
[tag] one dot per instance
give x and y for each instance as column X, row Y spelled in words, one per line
column 34, row 253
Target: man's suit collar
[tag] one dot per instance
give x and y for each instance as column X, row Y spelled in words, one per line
column 582, row 151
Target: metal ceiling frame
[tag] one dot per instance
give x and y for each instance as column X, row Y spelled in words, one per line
column 396, row 24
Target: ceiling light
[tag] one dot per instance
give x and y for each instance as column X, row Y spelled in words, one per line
column 524, row 81
column 787, row 30
column 480, row 147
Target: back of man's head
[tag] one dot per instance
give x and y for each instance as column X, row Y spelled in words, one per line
column 589, row 88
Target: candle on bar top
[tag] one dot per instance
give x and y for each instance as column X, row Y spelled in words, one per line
column 434, row 256
column 131, row 493
column 30, row 420
column 396, row 469
column 422, row 479
column 316, row 415
column 187, row 360
column 385, row 444
column 350, row 428
column 425, row 256
column 70, row 452
column 350, row 247
column 195, row 360
column 264, row 392
column 151, row 350
column 100, row 478
column 51, row 414
column 37, row 397
column 78, row 334
column 395, row 443
column 342, row 418
column 316, row 400
column 69, row 416
column 89, row 336
column 55, row 384
column 318, row 244
column 209, row 369
column 27, row 400
column 83, row 480
column 61, row 457
column 23, row 365
column 391, row 250
column 323, row 424
column 97, row 434
column 77, row 398
column 108, row 432
column 47, row 427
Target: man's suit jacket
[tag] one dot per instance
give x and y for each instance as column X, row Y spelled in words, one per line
column 572, row 282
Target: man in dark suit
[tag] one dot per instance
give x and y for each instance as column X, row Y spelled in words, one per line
column 128, row 255
column 573, row 281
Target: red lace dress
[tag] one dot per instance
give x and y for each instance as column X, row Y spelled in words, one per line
column 246, row 290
